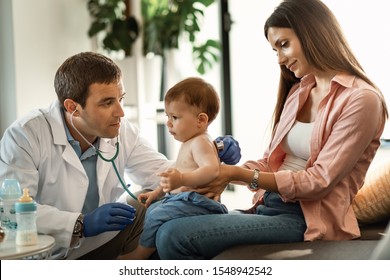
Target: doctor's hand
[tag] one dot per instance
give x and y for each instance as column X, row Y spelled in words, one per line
column 229, row 150
column 108, row 217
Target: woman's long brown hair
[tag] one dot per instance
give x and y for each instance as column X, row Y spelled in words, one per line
column 322, row 40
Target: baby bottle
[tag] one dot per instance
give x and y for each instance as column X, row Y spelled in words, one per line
column 10, row 192
column 26, row 212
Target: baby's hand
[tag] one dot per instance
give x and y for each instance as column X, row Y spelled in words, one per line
column 170, row 179
column 147, row 198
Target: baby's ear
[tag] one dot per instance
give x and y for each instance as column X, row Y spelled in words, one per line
column 203, row 118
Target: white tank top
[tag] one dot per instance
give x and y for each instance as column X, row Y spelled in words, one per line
column 296, row 144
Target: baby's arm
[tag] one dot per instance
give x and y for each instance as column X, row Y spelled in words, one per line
column 148, row 197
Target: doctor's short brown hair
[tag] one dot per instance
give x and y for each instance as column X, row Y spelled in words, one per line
column 78, row 72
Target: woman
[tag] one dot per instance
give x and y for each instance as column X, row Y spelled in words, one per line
column 322, row 145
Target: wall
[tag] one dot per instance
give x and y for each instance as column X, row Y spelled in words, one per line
column 38, row 35
column 7, row 69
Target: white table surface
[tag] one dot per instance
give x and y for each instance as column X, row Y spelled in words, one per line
column 9, row 250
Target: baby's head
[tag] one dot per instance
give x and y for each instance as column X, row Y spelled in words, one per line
column 196, row 93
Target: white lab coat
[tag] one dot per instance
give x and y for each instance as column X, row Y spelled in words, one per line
column 35, row 150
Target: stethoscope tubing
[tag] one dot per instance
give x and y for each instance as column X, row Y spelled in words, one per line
column 112, row 160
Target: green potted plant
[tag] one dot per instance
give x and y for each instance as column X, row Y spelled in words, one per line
column 165, row 21
column 164, row 24
column 112, row 19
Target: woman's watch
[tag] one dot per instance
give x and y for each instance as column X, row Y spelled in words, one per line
column 254, row 185
column 78, row 230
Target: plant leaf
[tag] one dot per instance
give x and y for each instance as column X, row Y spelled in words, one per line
column 206, row 55
column 96, row 27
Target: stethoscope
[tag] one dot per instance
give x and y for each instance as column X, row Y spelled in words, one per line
column 112, row 160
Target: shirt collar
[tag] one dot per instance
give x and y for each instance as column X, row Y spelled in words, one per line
column 344, row 79
column 307, row 80
column 76, row 144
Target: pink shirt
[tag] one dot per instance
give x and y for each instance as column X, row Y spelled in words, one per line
column 346, row 136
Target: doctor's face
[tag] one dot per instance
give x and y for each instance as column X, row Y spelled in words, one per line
column 103, row 111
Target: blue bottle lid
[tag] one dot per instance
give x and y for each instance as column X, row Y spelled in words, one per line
column 25, row 207
column 25, row 203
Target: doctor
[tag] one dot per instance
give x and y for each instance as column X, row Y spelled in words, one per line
column 53, row 152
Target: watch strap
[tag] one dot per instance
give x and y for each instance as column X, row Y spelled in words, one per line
column 78, row 230
column 254, row 185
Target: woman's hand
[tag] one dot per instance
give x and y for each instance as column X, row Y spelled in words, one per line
column 214, row 189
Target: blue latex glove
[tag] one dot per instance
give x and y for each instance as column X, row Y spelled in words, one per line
column 108, row 217
column 230, row 153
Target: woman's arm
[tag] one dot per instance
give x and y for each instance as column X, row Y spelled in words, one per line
column 238, row 174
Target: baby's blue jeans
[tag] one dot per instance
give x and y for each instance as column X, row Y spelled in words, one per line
column 174, row 206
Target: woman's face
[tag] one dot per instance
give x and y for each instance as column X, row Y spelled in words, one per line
column 289, row 51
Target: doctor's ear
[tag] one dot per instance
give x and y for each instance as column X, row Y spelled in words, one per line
column 70, row 106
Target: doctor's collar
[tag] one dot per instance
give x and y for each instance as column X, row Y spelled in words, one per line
column 76, row 144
